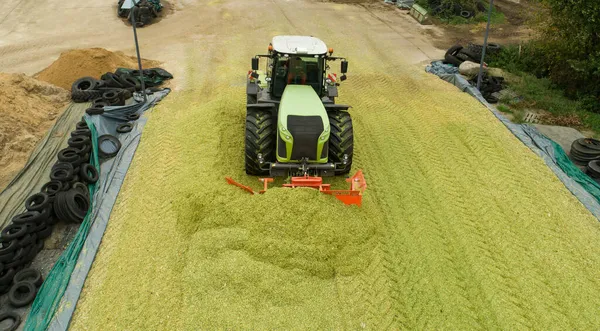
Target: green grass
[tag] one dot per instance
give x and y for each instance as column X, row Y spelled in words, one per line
column 480, row 17
column 540, row 93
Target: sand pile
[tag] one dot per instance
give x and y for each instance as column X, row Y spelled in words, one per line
column 94, row 62
column 28, row 108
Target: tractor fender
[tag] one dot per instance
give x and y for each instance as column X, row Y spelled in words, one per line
column 263, row 106
column 331, row 107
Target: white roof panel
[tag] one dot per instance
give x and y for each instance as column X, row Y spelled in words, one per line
column 299, row 45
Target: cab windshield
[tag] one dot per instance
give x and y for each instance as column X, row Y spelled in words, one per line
column 298, row 70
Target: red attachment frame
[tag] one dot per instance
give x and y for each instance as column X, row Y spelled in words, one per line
column 353, row 196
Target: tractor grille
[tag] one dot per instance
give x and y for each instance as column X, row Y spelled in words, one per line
column 325, row 151
column 281, row 148
column 306, row 131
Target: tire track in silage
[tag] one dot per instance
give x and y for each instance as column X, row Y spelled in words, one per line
column 548, row 301
column 484, row 148
column 420, row 211
column 386, row 303
column 441, row 181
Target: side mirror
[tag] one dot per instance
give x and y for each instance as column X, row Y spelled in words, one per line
column 343, row 78
column 344, row 67
column 254, row 63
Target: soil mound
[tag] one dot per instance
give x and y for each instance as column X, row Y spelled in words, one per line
column 94, row 62
column 28, row 107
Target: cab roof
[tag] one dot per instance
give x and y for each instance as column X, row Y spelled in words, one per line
column 299, row 45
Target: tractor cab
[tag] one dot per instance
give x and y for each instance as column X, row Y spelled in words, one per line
column 295, row 60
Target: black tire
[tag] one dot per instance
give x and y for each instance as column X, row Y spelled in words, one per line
column 341, row 140
column 99, row 103
column 28, row 239
column 13, row 231
column 20, row 253
column 62, row 175
column 78, row 142
column 27, row 217
column 466, row 14
column 6, row 275
column 81, row 132
column 69, row 154
column 125, row 127
column 81, row 125
column 82, row 188
column 85, row 150
column 94, row 111
column 133, row 117
column 260, row 139
column 8, row 257
column 8, row 248
column 44, row 232
column 493, row 48
column 103, row 151
column 84, row 84
column 88, row 173
column 30, row 275
column 85, row 96
column 465, row 55
column 13, row 317
column 130, row 81
column 71, row 206
column 22, row 294
column 111, row 80
column 37, row 202
column 35, row 228
column 450, row 56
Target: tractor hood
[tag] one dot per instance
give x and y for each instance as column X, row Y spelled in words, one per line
column 302, row 125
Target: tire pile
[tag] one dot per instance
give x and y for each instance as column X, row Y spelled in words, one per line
column 65, row 198
column 585, row 151
column 489, row 86
column 454, row 8
column 458, row 54
column 26, row 285
column 146, row 11
column 111, row 89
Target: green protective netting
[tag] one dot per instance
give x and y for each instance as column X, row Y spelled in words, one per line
column 152, row 76
column 563, row 161
column 50, row 294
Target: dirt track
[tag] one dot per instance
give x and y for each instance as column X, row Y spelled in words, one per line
column 462, row 226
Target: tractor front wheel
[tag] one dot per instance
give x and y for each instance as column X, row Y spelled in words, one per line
column 341, row 140
column 260, row 139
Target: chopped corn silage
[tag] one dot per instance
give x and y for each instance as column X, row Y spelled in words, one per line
column 462, row 226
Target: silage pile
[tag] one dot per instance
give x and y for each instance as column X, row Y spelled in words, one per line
column 93, row 62
column 462, row 226
column 28, row 107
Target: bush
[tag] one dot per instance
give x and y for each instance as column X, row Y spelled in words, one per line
column 567, row 51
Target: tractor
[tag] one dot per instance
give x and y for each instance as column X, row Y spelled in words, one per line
column 293, row 125
column 145, row 12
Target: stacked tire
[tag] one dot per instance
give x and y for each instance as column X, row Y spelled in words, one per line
column 110, row 90
column 144, row 12
column 458, row 54
column 64, row 198
column 584, row 151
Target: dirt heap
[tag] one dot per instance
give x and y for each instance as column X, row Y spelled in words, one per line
column 94, row 62
column 28, row 108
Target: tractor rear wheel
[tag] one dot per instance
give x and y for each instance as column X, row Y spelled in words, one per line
column 260, row 139
column 341, row 140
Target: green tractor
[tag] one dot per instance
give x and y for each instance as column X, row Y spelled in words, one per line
column 293, row 125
